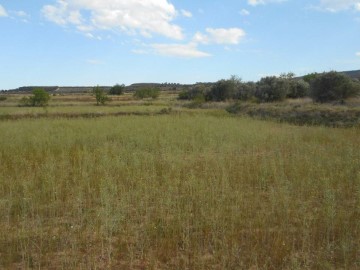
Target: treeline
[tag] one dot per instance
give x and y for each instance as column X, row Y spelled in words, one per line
column 321, row 87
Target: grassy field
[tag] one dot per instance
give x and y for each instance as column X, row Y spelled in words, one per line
column 199, row 190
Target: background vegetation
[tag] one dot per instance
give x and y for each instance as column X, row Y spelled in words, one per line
column 142, row 93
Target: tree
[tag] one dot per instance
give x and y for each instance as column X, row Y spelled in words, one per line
column 100, row 95
column 117, row 89
column 270, row 89
column 245, row 91
column 147, row 93
column 332, row 86
column 298, row 89
column 224, row 89
column 310, row 77
column 196, row 92
column 39, row 98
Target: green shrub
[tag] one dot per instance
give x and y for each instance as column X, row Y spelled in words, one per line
column 3, row 98
column 245, row 91
column 332, row 86
column 197, row 92
column 39, row 98
column 100, row 95
column 222, row 90
column 298, row 89
column 117, row 89
column 310, row 77
column 147, row 93
column 271, row 89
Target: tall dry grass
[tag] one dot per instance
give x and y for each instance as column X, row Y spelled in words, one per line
column 178, row 192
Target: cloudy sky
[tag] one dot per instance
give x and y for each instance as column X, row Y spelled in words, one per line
column 91, row 42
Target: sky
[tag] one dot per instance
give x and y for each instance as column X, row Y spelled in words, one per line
column 105, row 42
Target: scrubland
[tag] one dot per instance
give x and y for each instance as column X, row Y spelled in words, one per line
column 178, row 191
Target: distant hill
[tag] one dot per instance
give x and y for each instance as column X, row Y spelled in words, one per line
column 355, row 74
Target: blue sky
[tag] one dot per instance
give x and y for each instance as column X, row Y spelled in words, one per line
column 104, row 42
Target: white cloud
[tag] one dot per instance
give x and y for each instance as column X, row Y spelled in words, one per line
column 134, row 17
column 3, row 12
column 255, row 2
column 263, row 2
column 244, row 12
column 230, row 36
column 186, row 13
column 358, row 54
column 91, row 36
column 21, row 13
column 339, row 5
column 179, row 50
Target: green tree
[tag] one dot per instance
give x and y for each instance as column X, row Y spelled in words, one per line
column 332, row 86
column 298, row 89
column 117, row 89
column 310, row 77
column 39, row 98
column 223, row 90
column 245, row 91
column 100, row 95
column 196, row 92
column 271, row 89
column 147, row 93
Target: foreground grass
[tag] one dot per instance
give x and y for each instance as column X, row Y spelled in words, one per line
column 178, row 192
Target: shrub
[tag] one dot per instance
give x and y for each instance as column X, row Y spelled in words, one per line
column 245, row 91
column 332, row 86
column 222, row 90
column 298, row 89
column 100, row 95
column 310, row 77
column 39, row 98
column 197, row 92
column 3, row 98
column 147, row 93
column 270, row 89
column 117, row 89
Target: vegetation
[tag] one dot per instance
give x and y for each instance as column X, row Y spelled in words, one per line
column 300, row 114
column 177, row 192
column 270, row 89
column 39, row 98
column 142, row 93
column 197, row 92
column 332, row 86
column 117, row 89
column 3, row 98
column 223, row 90
column 100, row 95
column 298, row 89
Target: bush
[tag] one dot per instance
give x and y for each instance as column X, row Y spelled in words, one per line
column 40, row 98
column 332, row 86
column 270, row 89
column 198, row 92
column 147, row 93
column 245, row 91
column 222, row 90
column 310, row 77
column 3, row 98
column 298, row 89
column 100, row 95
column 117, row 89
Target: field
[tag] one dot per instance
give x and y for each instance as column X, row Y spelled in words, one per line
column 179, row 188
